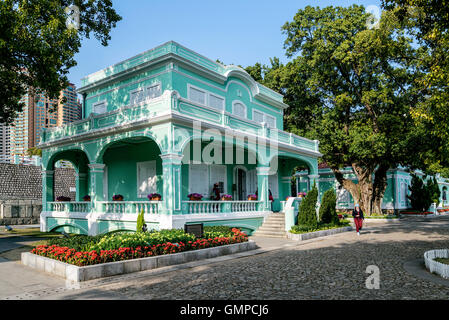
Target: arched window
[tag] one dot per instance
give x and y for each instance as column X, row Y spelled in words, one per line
column 239, row 109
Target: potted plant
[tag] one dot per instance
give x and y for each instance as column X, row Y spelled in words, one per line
column 86, row 198
column 252, row 197
column 117, row 197
column 226, row 197
column 63, row 199
column 195, row 196
column 154, row 197
column 301, row 194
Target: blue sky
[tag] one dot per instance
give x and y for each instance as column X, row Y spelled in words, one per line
column 240, row 32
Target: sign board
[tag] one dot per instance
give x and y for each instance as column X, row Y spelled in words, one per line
column 195, row 229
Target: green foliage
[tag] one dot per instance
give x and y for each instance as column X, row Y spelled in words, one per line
column 34, row 152
column 37, row 48
column 328, row 212
column 434, row 190
column 77, row 242
column 352, row 88
column 133, row 240
column 118, row 240
column 423, row 194
column 298, row 229
column 307, row 209
column 140, row 221
column 217, row 231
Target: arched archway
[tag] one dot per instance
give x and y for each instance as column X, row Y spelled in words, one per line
column 132, row 168
column 284, row 182
column 60, row 181
column 206, row 163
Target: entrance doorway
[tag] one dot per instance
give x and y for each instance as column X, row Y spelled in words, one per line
column 241, row 184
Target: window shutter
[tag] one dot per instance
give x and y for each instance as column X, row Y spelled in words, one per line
column 239, row 110
column 216, row 102
column 217, row 174
column 198, row 179
column 197, row 95
column 99, row 107
column 154, row 91
column 273, row 185
column 258, row 116
column 146, row 178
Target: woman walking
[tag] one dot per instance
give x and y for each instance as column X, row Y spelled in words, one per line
column 357, row 213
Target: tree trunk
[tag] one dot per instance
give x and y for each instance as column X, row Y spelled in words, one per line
column 368, row 193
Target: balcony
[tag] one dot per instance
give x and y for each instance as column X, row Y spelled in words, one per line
column 168, row 107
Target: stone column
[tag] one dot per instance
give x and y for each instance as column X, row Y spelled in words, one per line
column 81, row 186
column 47, row 188
column 262, row 187
column 172, row 185
column 96, row 172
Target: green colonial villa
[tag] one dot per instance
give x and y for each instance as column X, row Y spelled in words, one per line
column 173, row 122
column 395, row 196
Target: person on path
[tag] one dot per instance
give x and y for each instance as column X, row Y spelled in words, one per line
column 357, row 213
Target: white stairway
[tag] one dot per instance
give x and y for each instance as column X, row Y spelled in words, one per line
column 273, row 226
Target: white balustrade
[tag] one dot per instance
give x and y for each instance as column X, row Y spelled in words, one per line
column 195, row 207
column 60, row 206
column 148, row 207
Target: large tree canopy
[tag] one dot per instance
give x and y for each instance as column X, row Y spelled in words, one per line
column 352, row 88
column 37, row 47
column 428, row 22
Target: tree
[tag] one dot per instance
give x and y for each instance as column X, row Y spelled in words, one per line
column 140, row 221
column 37, row 46
column 307, row 209
column 419, row 195
column 351, row 87
column 34, row 152
column 328, row 212
column 428, row 22
column 423, row 194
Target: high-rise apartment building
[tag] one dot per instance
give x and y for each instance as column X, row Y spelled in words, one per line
column 40, row 112
column 5, row 151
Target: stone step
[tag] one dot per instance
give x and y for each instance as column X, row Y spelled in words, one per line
column 270, row 234
column 268, row 228
column 273, row 226
column 275, row 219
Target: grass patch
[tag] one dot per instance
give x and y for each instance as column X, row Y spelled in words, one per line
column 29, row 232
column 16, row 254
column 299, row 229
column 442, row 260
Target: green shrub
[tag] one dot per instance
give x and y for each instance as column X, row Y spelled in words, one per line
column 217, row 231
column 140, row 221
column 141, row 239
column 77, row 242
column 423, row 195
column 307, row 209
column 321, row 226
column 328, row 213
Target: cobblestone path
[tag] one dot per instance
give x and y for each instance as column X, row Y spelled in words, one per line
column 330, row 268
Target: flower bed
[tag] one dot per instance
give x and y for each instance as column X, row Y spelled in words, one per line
column 443, row 210
column 92, row 257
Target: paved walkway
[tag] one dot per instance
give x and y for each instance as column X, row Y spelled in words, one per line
column 332, row 267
